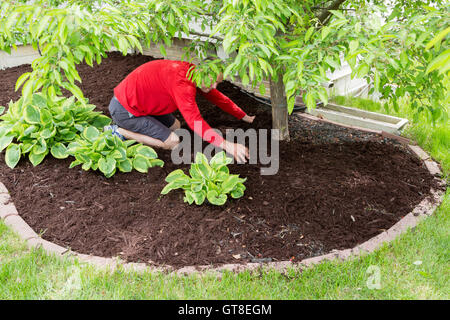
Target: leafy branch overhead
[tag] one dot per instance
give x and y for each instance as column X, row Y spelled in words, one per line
column 299, row 42
column 304, row 41
column 42, row 121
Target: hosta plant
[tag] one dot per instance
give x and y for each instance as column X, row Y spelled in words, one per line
column 210, row 181
column 39, row 125
column 107, row 153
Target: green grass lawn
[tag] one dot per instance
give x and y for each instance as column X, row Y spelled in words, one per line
column 414, row 266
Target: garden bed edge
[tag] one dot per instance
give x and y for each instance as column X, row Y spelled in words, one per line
column 11, row 217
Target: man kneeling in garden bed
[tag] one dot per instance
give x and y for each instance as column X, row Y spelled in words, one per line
column 144, row 101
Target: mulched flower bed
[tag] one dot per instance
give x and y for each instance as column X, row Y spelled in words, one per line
column 336, row 188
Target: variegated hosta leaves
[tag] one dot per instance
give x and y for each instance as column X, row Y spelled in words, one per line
column 40, row 126
column 107, row 153
column 210, row 181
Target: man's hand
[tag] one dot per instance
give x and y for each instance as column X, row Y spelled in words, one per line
column 239, row 151
column 248, row 119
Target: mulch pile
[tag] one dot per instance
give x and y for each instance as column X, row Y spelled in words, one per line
column 336, row 188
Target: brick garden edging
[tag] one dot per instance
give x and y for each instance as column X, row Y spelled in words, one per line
column 9, row 214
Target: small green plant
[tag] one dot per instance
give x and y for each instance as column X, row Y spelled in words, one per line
column 106, row 152
column 211, row 181
column 40, row 125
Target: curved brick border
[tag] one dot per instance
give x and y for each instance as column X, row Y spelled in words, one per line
column 9, row 214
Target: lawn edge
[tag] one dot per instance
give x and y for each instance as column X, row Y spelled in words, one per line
column 11, row 217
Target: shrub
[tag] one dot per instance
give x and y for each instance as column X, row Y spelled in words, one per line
column 39, row 126
column 106, row 152
column 211, row 181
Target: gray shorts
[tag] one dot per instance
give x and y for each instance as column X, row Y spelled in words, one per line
column 153, row 126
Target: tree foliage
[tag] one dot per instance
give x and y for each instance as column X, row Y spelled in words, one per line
column 401, row 47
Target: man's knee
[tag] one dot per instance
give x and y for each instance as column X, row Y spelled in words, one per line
column 172, row 141
column 176, row 125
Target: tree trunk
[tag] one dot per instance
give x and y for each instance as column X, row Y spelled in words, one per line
column 279, row 108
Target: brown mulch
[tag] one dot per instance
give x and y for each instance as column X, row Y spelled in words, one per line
column 336, row 188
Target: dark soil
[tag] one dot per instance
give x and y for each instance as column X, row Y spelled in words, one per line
column 336, row 188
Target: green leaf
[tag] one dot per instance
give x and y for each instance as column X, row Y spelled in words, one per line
column 354, row 44
column 325, row 32
column 32, row 115
column 197, row 186
column 39, row 148
column 309, row 33
column 439, row 62
column 188, row 197
column 128, row 143
column 108, row 175
column 140, row 163
column 323, row 95
column 107, row 165
column 118, row 155
column 229, row 183
column 216, row 199
column 228, row 41
column 22, row 79
column 43, row 23
column 59, row 151
column 87, row 165
column 12, row 155
column 37, row 158
column 199, row 197
column 38, row 101
column 155, row 163
column 169, row 187
column 100, row 121
column 75, row 163
column 332, row 62
column 162, row 50
column 125, row 165
column 174, row 175
column 238, row 191
column 376, row 81
column 219, row 160
column 245, row 79
column 404, row 59
column 91, row 133
column 200, row 158
column 363, row 69
column 262, row 89
column 5, row 141
column 45, row 117
column 75, row 91
column 204, row 169
column 47, row 133
column 338, row 14
column 441, row 35
column 26, row 147
column 310, row 99
column 147, row 152
column 228, row 70
column 28, row 131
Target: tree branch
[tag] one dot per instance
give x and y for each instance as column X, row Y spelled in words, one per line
column 207, row 35
column 326, row 12
column 342, row 9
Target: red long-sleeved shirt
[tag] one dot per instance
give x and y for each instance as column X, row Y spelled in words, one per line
column 160, row 87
